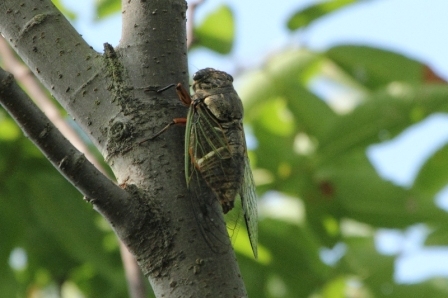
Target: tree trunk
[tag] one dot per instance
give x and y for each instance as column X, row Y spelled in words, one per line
column 114, row 99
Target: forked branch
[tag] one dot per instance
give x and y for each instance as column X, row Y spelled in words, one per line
column 59, row 151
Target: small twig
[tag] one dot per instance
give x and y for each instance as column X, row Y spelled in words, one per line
column 23, row 75
column 101, row 191
column 28, row 80
column 190, row 21
column 136, row 285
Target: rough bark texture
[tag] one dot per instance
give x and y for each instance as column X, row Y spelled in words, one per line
column 113, row 97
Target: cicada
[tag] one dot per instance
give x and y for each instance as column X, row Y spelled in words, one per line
column 215, row 144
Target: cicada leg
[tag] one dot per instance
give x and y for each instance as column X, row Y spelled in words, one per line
column 185, row 97
column 179, row 121
column 183, row 94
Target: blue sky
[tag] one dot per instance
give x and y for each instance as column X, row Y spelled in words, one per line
column 411, row 27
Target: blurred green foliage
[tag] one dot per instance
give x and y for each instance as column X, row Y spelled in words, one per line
column 333, row 177
column 105, row 8
column 217, row 31
column 304, row 17
column 309, row 158
column 43, row 219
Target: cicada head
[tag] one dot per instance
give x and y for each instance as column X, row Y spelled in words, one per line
column 209, row 78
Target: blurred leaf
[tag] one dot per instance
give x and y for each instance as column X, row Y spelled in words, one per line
column 275, row 117
column 295, row 258
column 69, row 215
column 390, row 111
column 8, row 283
column 365, row 197
column 311, row 13
column 9, row 130
column 438, row 236
column 254, row 275
column 65, row 11
column 217, row 31
column 42, row 213
column 376, row 269
column 433, row 288
column 429, row 76
column 285, row 76
column 433, row 175
column 105, row 8
column 340, row 286
column 376, row 68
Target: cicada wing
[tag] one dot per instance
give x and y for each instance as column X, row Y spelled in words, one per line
column 188, row 131
column 250, row 206
column 208, row 214
column 211, row 138
column 203, row 140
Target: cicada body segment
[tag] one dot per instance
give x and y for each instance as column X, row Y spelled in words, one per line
column 216, row 152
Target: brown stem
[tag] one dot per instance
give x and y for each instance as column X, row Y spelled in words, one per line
column 190, row 24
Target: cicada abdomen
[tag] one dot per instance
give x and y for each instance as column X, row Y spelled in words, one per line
column 217, row 152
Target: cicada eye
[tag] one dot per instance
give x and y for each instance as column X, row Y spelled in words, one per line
column 230, row 77
column 200, row 74
column 197, row 76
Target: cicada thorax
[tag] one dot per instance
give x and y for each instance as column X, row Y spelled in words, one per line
column 217, row 151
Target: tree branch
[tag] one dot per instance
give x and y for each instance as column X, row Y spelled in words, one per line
column 190, row 24
column 112, row 98
column 60, row 152
column 62, row 61
column 24, row 76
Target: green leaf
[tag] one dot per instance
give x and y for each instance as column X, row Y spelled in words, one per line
column 376, row 271
column 62, row 8
column 438, row 236
column 8, row 129
column 362, row 195
column 285, row 76
column 340, row 286
column 308, row 15
column 105, row 8
column 435, row 288
column 43, row 214
column 386, row 112
column 276, row 118
column 60, row 210
column 217, row 31
column 376, row 68
column 433, row 176
column 295, row 258
column 362, row 259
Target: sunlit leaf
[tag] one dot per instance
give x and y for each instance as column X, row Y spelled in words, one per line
column 9, row 130
column 62, row 8
column 364, row 196
column 285, row 75
column 295, row 257
column 391, row 111
column 311, row 13
column 105, row 8
column 217, row 31
column 437, row 237
column 433, row 176
column 41, row 212
column 375, row 68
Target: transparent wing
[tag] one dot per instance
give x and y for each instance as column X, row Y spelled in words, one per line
column 208, row 215
column 203, row 140
column 250, row 206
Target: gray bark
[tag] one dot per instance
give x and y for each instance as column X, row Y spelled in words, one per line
column 114, row 100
